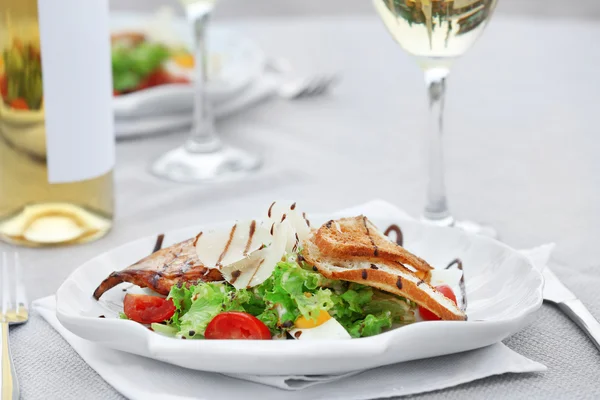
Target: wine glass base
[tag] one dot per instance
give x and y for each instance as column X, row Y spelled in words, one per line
column 227, row 163
column 467, row 226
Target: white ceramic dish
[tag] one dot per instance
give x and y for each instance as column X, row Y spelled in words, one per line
column 241, row 61
column 503, row 290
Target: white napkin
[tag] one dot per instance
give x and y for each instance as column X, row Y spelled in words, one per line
column 142, row 378
column 138, row 377
column 128, row 128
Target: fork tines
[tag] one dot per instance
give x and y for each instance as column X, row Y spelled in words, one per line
column 12, row 291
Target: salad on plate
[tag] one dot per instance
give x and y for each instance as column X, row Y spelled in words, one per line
column 280, row 278
column 139, row 63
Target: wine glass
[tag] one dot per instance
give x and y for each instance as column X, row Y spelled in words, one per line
column 436, row 33
column 203, row 157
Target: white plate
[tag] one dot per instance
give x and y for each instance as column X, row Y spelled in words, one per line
column 241, row 62
column 503, row 290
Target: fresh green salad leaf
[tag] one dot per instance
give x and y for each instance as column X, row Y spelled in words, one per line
column 133, row 64
column 370, row 325
column 295, row 291
column 164, row 329
column 365, row 311
column 292, row 290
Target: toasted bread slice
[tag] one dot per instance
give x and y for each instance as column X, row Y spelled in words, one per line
column 358, row 237
column 386, row 275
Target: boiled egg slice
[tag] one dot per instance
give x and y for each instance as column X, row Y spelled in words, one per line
column 325, row 327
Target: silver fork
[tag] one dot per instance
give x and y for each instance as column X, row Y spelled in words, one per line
column 293, row 87
column 306, row 87
column 13, row 312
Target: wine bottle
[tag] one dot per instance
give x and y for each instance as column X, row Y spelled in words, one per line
column 56, row 122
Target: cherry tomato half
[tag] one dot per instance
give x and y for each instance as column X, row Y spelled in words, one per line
column 19, row 104
column 147, row 309
column 3, row 86
column 237, row 325
column 428, row 315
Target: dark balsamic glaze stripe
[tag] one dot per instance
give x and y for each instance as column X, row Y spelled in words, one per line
column 373, row 266
column 159, row 242
column 250, row 236
column 235, row 275
column 226, row 249
column 463, row 290
column 196, row 238
column 255, row 271
column 364, row 274
column 293, row 207
column 375, row 248
column 396, row 229
column 399, row 283
column 270, row 209
column 306, row 219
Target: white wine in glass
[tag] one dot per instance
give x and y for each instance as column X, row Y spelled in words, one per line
column 436, row 33
column 203, row 157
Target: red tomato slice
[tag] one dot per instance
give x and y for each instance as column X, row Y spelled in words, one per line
column 158, row 77
column 147, row 309
column 3, row 86
column 178, row 79
column 19, row 104
column 237, row 325
column 428, row 315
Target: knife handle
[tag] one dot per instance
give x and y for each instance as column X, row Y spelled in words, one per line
column 582, row 317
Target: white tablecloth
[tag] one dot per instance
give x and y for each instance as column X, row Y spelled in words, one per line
column 522, row 154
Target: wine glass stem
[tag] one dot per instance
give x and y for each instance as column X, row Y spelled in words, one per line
column 203, row 138
column 436, row 209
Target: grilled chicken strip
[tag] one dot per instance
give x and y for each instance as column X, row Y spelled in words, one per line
column 163, row 269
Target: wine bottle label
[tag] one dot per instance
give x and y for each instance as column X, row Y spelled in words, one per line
column 77, row 81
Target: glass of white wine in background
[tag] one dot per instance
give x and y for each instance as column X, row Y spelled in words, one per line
column 436, row 33
column 203, row 157
column 56, row 133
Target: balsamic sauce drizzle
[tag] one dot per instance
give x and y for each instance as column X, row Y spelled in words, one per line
column 396, row 229
column 375, row 248
column 250, row 235
column 226, row 249
column 159, row 242
column 463, row 291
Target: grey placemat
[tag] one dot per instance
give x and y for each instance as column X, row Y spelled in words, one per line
column 49, row 369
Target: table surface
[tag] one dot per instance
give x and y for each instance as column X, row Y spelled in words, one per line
column 521, row 143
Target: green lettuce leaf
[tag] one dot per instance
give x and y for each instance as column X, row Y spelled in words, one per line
column 370, row 325
column 208, row 300
column 400, row 309
column 291, row 291
column 294, row 291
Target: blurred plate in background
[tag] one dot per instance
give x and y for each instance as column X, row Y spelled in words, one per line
column 237, row 63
